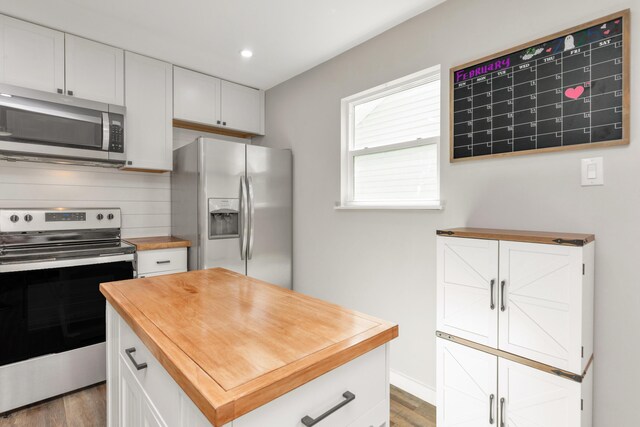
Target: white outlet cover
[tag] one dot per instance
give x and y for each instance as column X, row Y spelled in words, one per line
column 592, row 171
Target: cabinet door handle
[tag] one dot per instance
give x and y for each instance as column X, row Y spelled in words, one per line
column 168, row 261
column 60, row 91
column 502, row 424
column 218, row 121
column 493, row 303
column 139, row 366
column 224, row 123
column 502, row 285
column 491, row 408
column 348, row 397
column 70, row 92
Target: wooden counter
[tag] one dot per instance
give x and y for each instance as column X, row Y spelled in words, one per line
column 552, row 238
column 234, row 343
column 159, row 242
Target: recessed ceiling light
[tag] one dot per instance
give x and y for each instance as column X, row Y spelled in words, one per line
column 246, row 53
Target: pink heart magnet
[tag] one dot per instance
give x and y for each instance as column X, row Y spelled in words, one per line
column 607, row 32
column 574, row 92
column 549, row 50
column 617, row 21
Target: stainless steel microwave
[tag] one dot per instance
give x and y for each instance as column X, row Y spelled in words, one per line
column 43, row 126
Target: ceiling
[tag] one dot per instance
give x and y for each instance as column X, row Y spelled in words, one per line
column 286, row 36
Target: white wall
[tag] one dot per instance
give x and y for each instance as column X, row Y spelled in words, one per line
column 143, row 197
column 383, row 262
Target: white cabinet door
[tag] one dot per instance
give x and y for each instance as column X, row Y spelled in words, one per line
column 467, row 386
column 31, row 56
column 535, row 398
column 467, row 281
column 242, row 108
column 196, row 97
column 541, row 318
column 149, row 102
column 130, row 405
column 94, row 71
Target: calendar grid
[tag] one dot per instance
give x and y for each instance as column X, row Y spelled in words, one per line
column 533, row 100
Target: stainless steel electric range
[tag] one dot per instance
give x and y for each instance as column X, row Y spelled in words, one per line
column 52, row 314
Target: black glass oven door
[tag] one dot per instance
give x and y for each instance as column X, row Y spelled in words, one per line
column 54, row 310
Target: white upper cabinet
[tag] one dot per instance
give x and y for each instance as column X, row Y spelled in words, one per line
column 242, row 108
column 467, row 277
column 94, row 71
column 196, row 97
column 541, row 303
column 149, row 102
column 530, row 299
column 31, row 56
column 199, row 98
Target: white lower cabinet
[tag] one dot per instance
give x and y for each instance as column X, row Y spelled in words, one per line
column 480, row 389
column 161, row 261
column 150, row 397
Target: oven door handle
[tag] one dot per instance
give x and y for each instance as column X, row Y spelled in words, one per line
column 43, row 264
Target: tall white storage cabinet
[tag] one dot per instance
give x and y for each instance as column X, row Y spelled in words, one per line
column 515, row 328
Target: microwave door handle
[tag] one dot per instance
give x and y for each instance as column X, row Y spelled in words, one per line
column 34, row 107
column 105, row 131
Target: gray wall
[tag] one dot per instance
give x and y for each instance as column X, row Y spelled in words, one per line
column 383, row 262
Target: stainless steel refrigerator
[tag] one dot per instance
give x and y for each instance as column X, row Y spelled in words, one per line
column 234, row 202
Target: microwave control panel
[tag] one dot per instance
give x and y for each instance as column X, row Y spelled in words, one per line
column 116, row 136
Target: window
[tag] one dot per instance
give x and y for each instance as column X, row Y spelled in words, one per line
column 390, row 138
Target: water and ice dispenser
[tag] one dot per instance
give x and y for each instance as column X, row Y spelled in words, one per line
column 224, row 217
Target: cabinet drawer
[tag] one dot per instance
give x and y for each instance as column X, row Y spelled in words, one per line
column 365, row 377
column 154, row 380
column 161, row 260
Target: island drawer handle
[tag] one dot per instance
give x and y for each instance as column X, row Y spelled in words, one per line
column 164, row 262
column 348, row 397
column 139, row 366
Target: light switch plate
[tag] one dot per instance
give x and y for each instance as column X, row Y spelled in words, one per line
column 592, row 172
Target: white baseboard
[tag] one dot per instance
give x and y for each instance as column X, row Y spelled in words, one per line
column 413, row 386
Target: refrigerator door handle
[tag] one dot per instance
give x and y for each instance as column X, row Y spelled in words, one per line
column 244, row 218
column 252, row 212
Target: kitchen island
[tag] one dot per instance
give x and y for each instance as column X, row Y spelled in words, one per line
column 214, row 347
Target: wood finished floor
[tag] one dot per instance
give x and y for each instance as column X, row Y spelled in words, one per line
column 88, row 408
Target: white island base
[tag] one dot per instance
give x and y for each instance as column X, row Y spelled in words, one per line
column 150, row 397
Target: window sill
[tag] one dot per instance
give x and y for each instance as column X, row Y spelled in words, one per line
column 423, row 206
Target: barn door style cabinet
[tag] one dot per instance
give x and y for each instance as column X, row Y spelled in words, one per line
column 515, row 328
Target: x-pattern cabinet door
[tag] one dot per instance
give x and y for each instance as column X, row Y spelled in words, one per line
column 467, row 386
column 532, row 398
column 467, row 276
column 541, row 302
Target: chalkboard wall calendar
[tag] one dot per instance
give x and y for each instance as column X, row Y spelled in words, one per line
column 566, row 91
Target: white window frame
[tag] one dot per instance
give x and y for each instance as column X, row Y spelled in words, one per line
column 347, row 154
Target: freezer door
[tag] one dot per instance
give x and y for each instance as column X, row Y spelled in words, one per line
column 270, row 204
column 222, row 169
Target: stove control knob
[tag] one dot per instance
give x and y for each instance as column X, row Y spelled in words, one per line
column 100, row 216
column 110, row 216
column 14, row 218
column 28, row 218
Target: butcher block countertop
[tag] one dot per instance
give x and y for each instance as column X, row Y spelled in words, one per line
column 160, row 242
column 234, row 343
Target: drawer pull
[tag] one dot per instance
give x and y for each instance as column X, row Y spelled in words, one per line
column 168, row 261
column 348, row 397
column 139, row 366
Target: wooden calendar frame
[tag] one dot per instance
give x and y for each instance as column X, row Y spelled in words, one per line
column 626, row 75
